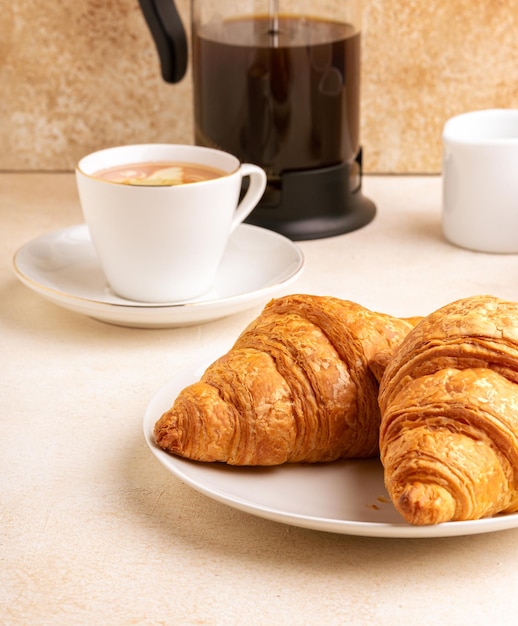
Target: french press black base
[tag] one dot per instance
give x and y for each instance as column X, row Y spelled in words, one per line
column 316, row 203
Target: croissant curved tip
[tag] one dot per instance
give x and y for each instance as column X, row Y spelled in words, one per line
column 168, row 437
column 423, row 504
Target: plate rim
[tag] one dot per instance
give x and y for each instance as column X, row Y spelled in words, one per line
column 401, row 530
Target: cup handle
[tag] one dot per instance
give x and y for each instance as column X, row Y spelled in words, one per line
column 253, row 193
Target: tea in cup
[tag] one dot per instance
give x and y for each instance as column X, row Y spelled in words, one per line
column 160, row 215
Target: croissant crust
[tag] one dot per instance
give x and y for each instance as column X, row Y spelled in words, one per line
column 449, row 406
column 299, row 385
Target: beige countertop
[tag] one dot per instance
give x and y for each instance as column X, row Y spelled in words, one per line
column 95, row 531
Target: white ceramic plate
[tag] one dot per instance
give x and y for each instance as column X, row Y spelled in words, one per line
column 346, row 497
column 62, row 266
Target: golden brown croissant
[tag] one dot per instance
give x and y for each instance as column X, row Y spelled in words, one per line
column 297, row 386
column 449, row 405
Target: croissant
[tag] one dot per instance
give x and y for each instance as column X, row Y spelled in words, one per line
column 299, row 385
column 449, row 414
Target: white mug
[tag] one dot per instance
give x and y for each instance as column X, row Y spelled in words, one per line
column 164, row 243
column 480, row 180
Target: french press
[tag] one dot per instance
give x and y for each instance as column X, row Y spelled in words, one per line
column 277, row 83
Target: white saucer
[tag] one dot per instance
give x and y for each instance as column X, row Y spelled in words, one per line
column 346, row 497
column 62, row 266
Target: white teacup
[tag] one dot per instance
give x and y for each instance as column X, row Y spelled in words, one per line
column 480, row 180
column 159, row 241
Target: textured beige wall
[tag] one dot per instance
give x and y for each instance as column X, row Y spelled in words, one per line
column 77, row 76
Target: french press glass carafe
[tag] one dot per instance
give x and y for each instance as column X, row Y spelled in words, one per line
column 277, row 83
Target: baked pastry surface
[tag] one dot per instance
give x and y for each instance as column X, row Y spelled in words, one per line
column 449, row 405
column 300, row 384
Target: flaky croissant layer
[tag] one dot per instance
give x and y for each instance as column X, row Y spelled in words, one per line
column 299, row 385
column 449, row 414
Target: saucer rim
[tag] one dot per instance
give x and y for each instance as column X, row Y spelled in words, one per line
column 247, row 298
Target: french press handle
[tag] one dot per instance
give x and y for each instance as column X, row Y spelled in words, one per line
column 169, row 35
